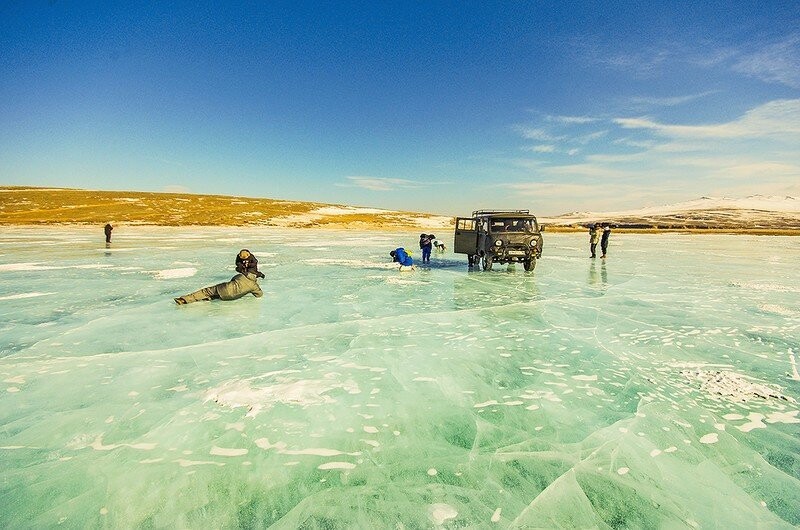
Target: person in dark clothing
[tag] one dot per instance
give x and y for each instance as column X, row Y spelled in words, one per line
column 243, row 283
column 604, row 239
column 594, row 239
column 399, row 255
column 108, row 228
column 426, row 244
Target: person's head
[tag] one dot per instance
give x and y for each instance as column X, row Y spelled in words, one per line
column 431, row 236
column 422, row 235
column 392, row 253
column 246, row 261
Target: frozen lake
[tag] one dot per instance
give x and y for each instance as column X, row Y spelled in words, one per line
column 656, row 388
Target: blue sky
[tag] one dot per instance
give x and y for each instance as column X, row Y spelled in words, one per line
column 442, row 106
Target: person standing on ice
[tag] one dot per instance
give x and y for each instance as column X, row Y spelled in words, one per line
column 604, row 239
column 399, row 255
column 594, row 239
column 108, row 228
column 426, row 244
column 246, row 281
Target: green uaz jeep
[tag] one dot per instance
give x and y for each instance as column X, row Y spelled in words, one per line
column 499, row 236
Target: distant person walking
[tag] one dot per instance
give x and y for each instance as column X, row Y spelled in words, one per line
column 108, row 228
column 246, row 281
column 399, row 255
column 426, row 244
column 594, row 239
column 604, row 239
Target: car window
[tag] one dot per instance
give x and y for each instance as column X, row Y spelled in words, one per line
column 466, row 224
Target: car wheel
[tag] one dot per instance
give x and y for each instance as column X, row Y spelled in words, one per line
column 487, row 263
column 530, row 264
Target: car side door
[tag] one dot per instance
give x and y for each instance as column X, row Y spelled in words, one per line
column 466, row 238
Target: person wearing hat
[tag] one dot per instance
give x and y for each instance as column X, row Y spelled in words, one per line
column 426, row 245
column 399, row 255
column 594, row 239
column 243, row 283
column 604, row 239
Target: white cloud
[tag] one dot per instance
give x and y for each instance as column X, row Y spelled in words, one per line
column 534, row 133
column 587, row 138
column 778, row 62
column 586, row 170
column 670, row 101
column 779, row 117
column 380, row 184
column 614, row 159
column 542, row 148
column 645, row 63
column 760, row 170
column 552, row 189
column 571, row 120
column 640, row 159
column 639, row 144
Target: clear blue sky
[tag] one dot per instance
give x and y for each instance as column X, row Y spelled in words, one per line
column 440, row 106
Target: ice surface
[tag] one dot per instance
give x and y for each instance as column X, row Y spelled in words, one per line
column 656, row 388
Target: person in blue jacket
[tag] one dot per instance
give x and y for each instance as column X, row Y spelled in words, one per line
column 399, row 255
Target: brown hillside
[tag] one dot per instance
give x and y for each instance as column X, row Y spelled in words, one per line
column 25, row 206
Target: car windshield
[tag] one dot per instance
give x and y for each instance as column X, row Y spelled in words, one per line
column 500, row 224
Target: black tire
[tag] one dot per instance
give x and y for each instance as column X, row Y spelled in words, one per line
column 471, row 259
column 487, row 263
column 530, row 264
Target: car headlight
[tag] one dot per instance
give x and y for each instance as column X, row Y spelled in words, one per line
column 533, row 242
column 498, row 243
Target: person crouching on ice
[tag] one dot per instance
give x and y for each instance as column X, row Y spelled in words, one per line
column 243, row 283
column 400, row 256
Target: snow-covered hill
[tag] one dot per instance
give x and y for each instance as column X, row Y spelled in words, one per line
column 754, row 212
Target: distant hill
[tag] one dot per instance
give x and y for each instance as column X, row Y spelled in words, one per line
column 25, row 206
column 752, row 214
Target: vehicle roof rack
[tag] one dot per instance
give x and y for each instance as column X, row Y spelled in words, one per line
column 477, row 213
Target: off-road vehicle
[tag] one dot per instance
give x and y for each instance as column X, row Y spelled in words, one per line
column 499, row 236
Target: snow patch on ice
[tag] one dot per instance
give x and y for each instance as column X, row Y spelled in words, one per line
column 20, row 296
column 441, row 512
column 239, row 393
column 171, row 274
column 336, row 465
column 38, row 266
column 710, row 438
column 225, row 451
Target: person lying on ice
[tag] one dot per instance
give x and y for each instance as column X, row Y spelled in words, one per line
column 241, row 284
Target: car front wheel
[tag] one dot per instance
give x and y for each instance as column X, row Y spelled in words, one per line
column 530, row 264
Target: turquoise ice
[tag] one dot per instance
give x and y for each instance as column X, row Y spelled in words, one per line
column 655, row 389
